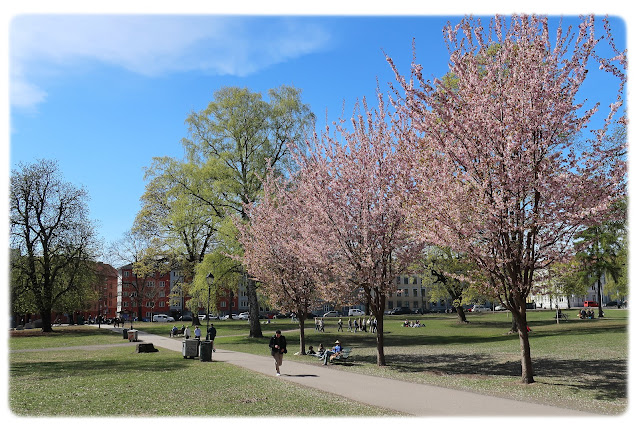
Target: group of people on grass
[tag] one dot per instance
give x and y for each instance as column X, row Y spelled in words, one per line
column 416, row 323
column 586, row 314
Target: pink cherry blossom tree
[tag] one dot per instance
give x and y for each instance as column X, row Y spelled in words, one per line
column 274, row 250
column 501, row 178
column 356, row 186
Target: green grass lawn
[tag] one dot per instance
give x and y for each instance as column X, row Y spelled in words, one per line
column 119, row 382
column 579, row 364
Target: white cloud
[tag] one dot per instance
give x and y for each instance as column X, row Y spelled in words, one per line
column 151, row 45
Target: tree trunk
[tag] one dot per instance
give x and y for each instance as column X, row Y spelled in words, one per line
column 524, row 344
column 254, row 309
column 45, row 315
column 513, row 325
column 601, row 314
column 461, row 315
column 302, row 338
column 381, row 358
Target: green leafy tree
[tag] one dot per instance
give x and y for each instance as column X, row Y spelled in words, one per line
column 229, row 148
column 52, row 238
column 601, row 252
column 445, row 269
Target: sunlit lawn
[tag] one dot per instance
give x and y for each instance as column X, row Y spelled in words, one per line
column 579, row 364
column 119, row 382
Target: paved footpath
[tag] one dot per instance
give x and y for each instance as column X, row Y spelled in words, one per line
column 406, row 397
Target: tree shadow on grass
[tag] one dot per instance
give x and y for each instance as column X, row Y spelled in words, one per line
column 87, row 368
column 607, row 379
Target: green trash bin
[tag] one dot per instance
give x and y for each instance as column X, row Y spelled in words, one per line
column 125, row 333
column 206, row 349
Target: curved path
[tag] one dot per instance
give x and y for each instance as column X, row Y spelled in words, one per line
column 410, row 398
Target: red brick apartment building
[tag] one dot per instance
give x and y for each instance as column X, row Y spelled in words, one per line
column 142, row 297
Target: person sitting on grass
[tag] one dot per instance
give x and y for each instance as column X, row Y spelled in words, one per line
column 310, row 350
column 321, row 350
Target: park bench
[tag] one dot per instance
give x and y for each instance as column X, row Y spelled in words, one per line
column 177, row 333
column 562, row 316
column 344, row 354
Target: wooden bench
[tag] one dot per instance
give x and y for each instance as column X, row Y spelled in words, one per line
column 177, row 333
column 562, row 316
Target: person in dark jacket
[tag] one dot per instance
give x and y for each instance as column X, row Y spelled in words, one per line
column 212, row 333
column 278, row 349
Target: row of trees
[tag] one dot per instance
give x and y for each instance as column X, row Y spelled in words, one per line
column 483, row 167
column 483, row 164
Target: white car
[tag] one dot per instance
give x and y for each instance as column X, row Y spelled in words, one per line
column 233, row 316
column 243, row 316
column 500, row 308
column 332, row 314
column 162, row 318
column 355, row 312
column 480, row 308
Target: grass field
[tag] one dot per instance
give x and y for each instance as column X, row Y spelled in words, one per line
column 579, row 364
column 116, row 381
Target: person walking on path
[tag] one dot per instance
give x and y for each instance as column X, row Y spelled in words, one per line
column 350, row 324
column 187, row 333
column 198, row 332
column 339, row 324
column 278, row 349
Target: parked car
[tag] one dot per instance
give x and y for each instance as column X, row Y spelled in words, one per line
column 500, row 308
column 243, row 316
column 355, row 312
column 591, row 304
column 401, row 310
column 162, row 318
column 332, row 314
column 185, row 318
column 480, row 308
column 233, row 317
column 612, row 303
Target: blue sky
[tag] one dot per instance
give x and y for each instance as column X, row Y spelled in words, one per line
column 103, row 94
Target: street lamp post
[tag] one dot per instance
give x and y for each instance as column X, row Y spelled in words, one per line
column 209, row 281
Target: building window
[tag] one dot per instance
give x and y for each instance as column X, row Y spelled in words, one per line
column 405, row 292
column 161, row 294
column 415, row 305
column 414, row 292
column 150, row 304
column 405, row 280
column 161, row 304
column 222, row 304
column 150, row 284
column 125, row 304
column 161, row 283
column 126, row 273
column 390, row 304
column 423, row 292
